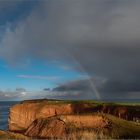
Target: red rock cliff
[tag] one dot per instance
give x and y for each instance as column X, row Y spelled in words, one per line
column 22, row 115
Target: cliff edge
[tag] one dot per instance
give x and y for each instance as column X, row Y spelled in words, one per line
column 61, row 119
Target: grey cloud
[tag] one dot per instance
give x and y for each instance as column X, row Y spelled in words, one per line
column 21, row 94
column 12, row 95
column 55, row 29
column 82, row 89
column 73, row 86
column 46, row 89
column 8, row 5
column 99, row 37
column 63, row 94
column 68, row 95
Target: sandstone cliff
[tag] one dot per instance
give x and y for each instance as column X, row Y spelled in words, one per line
column 45, row 119
column 22, row 115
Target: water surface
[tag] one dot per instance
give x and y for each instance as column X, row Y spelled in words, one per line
column 4, row 113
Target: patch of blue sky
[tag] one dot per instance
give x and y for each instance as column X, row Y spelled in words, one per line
column 35, row 76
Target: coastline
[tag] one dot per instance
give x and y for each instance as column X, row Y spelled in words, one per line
column 42, row 118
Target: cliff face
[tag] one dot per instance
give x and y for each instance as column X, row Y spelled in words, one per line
column 22, row 115
column 131, row 113
column 44, row 118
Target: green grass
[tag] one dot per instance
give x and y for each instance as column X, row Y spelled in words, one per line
column 53, row 101
column 122, row 128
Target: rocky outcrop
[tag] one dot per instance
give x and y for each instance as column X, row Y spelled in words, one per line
column 87, row 127
column 66, row 126
column 22, row 115
column 47, row 128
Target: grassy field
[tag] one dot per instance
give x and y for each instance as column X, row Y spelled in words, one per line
column 53, row 101
column 123, row 129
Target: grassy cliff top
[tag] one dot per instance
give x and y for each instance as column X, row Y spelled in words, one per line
column 53, row 101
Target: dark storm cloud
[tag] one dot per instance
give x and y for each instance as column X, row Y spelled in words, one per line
column 82, row 89
column 100, row 37
column 109, row 61
column 73, row 86
column 78, row 89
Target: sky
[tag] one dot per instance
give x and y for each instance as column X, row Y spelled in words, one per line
column 67, row 49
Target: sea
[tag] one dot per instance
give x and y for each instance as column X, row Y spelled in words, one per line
column 4, row 113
